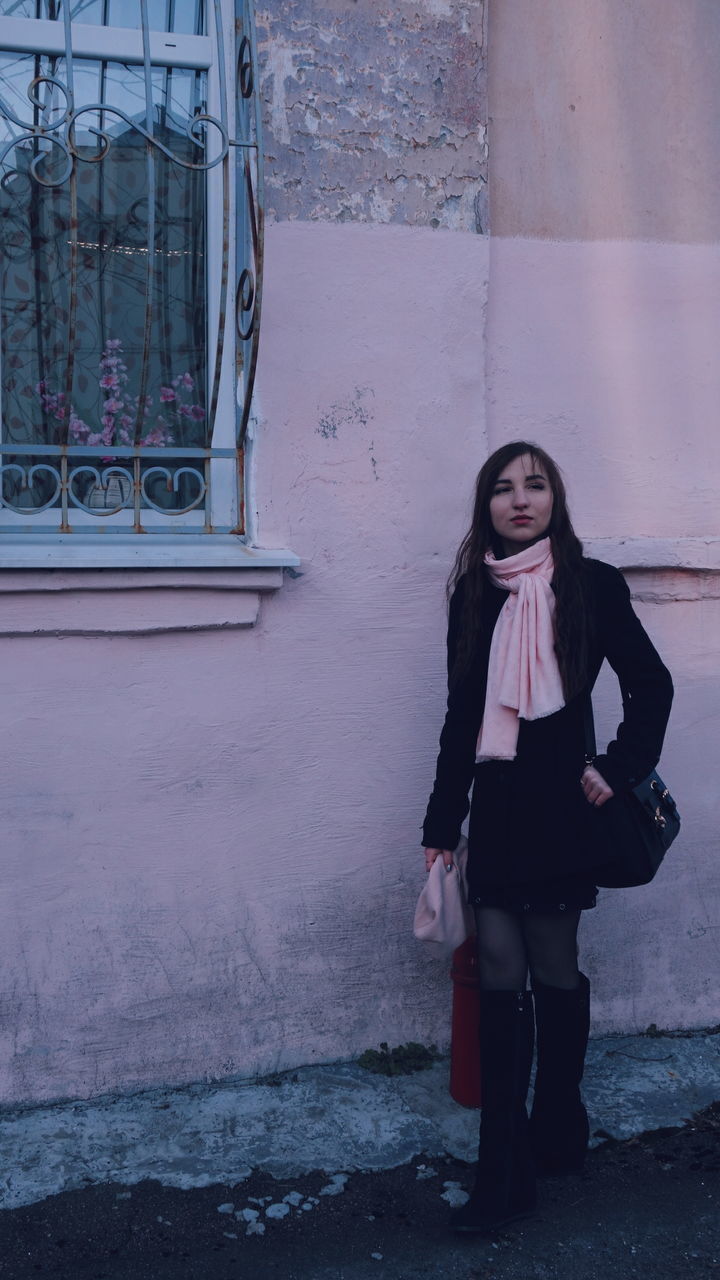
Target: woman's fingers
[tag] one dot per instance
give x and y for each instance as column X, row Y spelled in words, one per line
column 597, row 792
column 432, row 854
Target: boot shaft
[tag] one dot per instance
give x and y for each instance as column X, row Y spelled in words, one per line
column 507, row 1037
column 562, row 1020
column 506, row 1051
column 505, row 1182
column 559, row 1128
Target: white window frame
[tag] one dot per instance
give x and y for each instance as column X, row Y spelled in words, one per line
column 21, row 548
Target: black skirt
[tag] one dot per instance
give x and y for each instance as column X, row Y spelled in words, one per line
column 542, row 897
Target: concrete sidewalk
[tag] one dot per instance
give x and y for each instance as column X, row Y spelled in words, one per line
column 334, row 1118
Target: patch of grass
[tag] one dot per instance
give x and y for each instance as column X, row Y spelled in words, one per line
column 403, row 1060
column 653, row 1032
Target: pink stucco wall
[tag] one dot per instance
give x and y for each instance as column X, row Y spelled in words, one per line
column 603, row 328
column 603, row 352
column 211, row 838
column 603, row 120
column 210, row 833
column 606, row 349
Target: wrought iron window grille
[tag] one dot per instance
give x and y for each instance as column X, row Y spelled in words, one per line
column 126, row 381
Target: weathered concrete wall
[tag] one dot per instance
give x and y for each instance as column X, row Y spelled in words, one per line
column 376, row 111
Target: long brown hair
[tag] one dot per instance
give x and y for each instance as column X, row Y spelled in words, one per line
column 572, row 615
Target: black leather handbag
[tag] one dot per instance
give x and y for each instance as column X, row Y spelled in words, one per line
column 633, row 831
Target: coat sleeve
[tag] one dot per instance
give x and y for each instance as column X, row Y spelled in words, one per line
column 645, row 682
column 449, row 800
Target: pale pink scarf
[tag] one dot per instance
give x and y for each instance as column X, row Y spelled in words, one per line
column 523, row 674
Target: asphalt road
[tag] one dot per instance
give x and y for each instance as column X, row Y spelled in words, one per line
column 646, row 1207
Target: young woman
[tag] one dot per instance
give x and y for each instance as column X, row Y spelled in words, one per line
column 530, row 623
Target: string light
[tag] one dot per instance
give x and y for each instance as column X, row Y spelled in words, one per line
column 127, row 250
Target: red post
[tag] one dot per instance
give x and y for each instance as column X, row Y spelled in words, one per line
column 465, row 1041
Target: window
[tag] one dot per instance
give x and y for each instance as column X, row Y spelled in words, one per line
column 129, row 196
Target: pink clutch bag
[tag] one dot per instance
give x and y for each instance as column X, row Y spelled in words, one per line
column 442, row 913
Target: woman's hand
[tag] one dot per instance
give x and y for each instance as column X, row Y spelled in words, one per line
column 432, row 854
column 596, row 789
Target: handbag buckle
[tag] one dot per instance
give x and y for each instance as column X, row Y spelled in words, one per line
column 660, row 819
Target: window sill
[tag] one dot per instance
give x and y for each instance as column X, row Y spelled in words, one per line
column 140, row 551
column 73, row 589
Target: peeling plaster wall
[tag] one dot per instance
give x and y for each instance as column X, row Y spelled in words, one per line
column 376, row 112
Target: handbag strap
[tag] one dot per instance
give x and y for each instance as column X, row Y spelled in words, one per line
column 589, row 721
column 589, row 727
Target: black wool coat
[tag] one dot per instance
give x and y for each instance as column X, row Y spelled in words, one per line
column 529, row 817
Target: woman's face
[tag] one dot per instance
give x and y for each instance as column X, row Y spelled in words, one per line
column 521, row 504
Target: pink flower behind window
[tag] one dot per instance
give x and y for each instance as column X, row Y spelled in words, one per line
column 120, row 410
column 155, row 437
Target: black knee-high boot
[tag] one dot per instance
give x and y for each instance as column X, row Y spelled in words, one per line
column 559, row 1128
column 505, row 1182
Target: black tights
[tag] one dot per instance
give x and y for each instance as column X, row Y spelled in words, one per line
column 509, row 945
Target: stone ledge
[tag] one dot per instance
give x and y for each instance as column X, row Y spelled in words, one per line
column 633, row 553
column 663, row 569
column 131, row 602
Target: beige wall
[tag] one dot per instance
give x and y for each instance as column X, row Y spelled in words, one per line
column 604, row 119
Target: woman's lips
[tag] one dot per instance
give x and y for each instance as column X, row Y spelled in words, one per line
column 521, row 520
